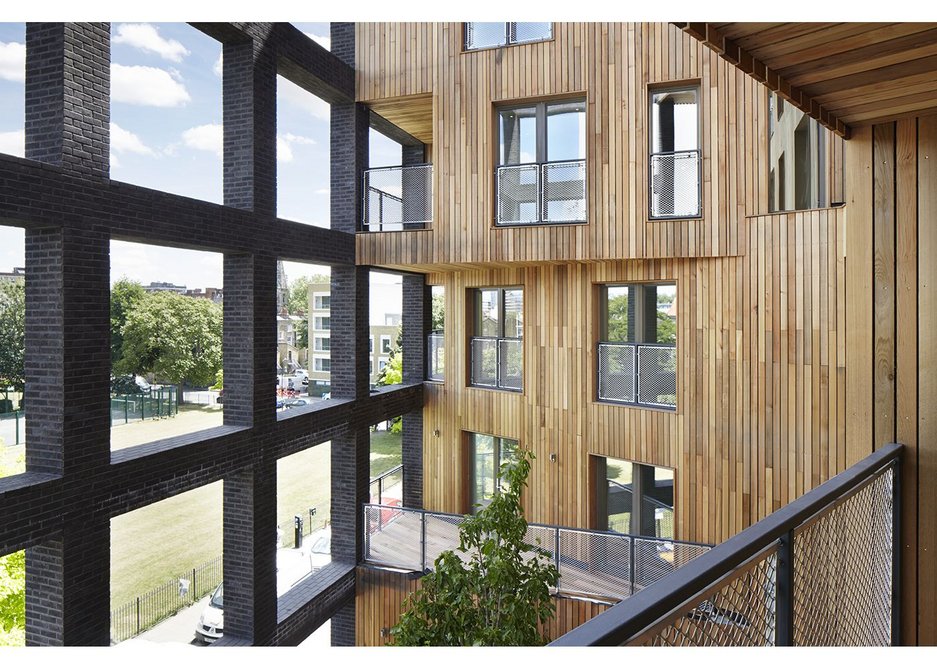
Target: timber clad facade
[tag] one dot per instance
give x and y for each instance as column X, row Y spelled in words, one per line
column 802, row 340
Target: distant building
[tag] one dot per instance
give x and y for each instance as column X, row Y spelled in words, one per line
column 18, row 275
column 215, row 295
column 162, row 286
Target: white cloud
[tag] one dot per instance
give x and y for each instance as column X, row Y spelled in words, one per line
column 293, row 95
column 146, row 37
column 218, row 67
column 124, row 141
column 146, row 86
column 114, row 161
column 13, row 143
column 285, row 148
column 322, row 191
column 208, row 137
column 12, row 61
column 324, row 40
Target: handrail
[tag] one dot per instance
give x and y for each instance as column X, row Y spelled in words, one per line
column 628, row 618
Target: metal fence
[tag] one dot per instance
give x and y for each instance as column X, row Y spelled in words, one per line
column 388, row 486
column 497, row 362
column 675, row 184
column 823, row 570
column 13, row 428
column 541, row 193
column 159, row 402
column 638, row 373
column 591, row 563
column 486, row 35
column 435, row 356
column 146, row 611
column 398, row 198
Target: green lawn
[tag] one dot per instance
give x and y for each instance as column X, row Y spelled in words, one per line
column 385, row 451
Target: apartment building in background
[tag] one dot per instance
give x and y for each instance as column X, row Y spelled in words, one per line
column 707, row 312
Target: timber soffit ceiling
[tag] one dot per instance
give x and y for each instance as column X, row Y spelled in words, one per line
column 842, row 74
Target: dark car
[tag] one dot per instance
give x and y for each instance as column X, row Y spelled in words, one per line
column 129, row 385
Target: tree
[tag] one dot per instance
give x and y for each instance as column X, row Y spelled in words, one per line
column 125, row 296
column 174, row 337
column 618, row 318
column 298, row 299
column 500, row 595
column 12, row 596
column 438, row 312
column 302, row 333
column 12, row 336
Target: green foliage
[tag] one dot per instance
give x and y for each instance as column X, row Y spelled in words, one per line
column 219, row 380
column 438, row 312
column 298, row 299
column 12, row 336
column 499, row 596
column 392, row 373
column 174, row 337
column 125, row 296
column 302, row 333
column 618, row 318
column 12, row 595
column 666, row 328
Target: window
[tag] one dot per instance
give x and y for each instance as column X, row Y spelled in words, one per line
column 323, row 301
column 323, row 364
column 487, row 454
column 435, row 343
column 385, row 343
column 637, row 354
column 674, row 153
column 381, row 363
column 634, row 498
column 497, row 349
column 323, row 323
column 486, row 35
column 323, row 343
column 797, row 156
column 370, row 367
column 541, row 175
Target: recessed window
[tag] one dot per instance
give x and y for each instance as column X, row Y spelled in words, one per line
column 637, row 351
column 487, row 454
column 674, row 153
column 435, row 343
column 323, row 364
column 797, row 155
column 323, row 323
column 634, row 498
column 385, row 344
column 541, row 175
column 497, row 348
column 323, row 302
column 479, row 35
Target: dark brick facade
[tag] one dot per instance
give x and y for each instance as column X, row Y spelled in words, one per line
column 60, row 509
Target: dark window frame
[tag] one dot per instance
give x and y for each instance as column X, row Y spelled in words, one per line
column 674, row 87
column 510, row 36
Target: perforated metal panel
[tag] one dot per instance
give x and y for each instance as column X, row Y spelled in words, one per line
column 442, row 533
column 388, row 536
column 738, row 611
column 511, row 364
column 564, row 192
column 480, row 35
column 530, row 32
column 398, row 197
column 675, row 184
column 595, row 563
column 485, row 362
column 617, row 381
column 657, row 376
column 518, row 194
column 843, row 571
column 436, row 357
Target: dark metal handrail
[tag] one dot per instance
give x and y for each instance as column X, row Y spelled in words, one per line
column 630, row 617
column 380, row 481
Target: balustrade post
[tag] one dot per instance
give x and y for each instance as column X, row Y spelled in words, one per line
column 423, row 541
column 896, row 552
column 784, row 592
column 631, row 564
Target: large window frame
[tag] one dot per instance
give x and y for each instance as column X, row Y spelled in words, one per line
column 485, row 345
column 542, row 174
column 510, row 36
column 483, row 484
column 643, row 501
column 685, row 157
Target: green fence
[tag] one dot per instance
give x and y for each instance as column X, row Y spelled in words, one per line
column 13, row 428
column 159, row 402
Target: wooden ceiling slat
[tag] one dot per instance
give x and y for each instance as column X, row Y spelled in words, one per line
column 861, row 37
column 770, row 50
column 917, row 104
column 888, row 73
column 877, row 93
column 782, row 33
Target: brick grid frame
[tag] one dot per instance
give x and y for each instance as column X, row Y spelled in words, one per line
column 60, row 509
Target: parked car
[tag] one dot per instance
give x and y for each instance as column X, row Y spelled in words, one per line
column 129, row 384
column 211, row 622
column 293, row 403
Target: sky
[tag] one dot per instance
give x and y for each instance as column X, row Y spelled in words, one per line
column 166, row 133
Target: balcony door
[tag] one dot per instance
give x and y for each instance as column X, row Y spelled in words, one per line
column 634, row 498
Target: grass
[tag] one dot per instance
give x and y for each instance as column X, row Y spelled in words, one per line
column 386, row 451
column 304, row 482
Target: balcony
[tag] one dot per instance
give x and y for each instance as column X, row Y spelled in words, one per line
column 643, row 374
column 591, row 563
column 675, row 184
column 435, row 356
column 824, row 570
column 497, row 363
column 542, row 193
column 398, row 198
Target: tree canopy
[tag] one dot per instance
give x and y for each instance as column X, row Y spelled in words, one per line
column 12, row 336
column 500, row 594
column 298, row 299
column 12, row 596
column 125, row 296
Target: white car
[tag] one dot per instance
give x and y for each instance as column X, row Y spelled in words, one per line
column 211, row 623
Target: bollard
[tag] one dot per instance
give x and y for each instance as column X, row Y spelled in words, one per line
column 297, row 531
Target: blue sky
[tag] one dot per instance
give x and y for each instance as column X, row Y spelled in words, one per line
column 166, row 133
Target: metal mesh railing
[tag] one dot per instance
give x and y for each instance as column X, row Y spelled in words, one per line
column 435, row 356
column 542, row 193
column 398, row 198
column 480, row 35
column 591, row 563
column 387, row 488
column 638, row 373
column 497, row 362
column 675, row 184
column 820, row 571
column 564, row 192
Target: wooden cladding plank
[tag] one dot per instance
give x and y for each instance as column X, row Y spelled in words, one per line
column 883, row 258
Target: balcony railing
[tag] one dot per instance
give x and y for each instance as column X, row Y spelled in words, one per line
column 435, row 356
column 398, row 198
column 824, row 570
column 387, row 488
column 542, row 193
column 497, row 363
column 487, row 35
column 675, row 184
column 644, row 374
column 591, row 563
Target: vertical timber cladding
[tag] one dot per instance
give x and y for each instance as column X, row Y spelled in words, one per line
column 760, row 413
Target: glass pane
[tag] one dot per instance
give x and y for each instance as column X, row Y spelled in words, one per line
column 508, row 448
column 667, row 314
column 528, row 32
column 483, row 468
column 674, row 119
column 489, row 313
column 566, row 131
column 619, row 476
column 518, row 140
column 617, row 321
column 514, row 313
column 479, row 35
